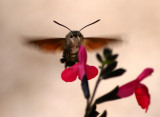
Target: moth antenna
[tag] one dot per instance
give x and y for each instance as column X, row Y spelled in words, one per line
column 89, row 24
column 62, row 25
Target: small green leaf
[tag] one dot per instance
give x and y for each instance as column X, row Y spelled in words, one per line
column 85, row 87
column 92, row 112
column 109, row 96
column 107, row 52
column 112, row 57
column 109, row 68
column 99, row 58
column 115, row 73
column 104, row 114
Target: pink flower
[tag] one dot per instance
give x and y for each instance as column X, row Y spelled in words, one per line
column 140, row 90
column 79, row 69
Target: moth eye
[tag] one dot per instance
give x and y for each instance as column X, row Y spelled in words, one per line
column 71, row 36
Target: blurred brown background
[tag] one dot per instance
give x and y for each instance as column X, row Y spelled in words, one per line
column 30, row 80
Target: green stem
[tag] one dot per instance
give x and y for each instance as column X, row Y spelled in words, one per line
column 95, row 88
column 94, row 92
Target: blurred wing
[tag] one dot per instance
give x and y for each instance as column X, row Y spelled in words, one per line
column 48, row 45
column 93, row 43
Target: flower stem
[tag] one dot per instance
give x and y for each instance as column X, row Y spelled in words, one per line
column 94, row 92
column 95, row 88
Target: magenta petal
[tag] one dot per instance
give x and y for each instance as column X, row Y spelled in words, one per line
column 91, row 72
column 70, row 74
column 127, row 89
column 82, row 55
column 81, row 71
column 142, row 96
column 146, row 72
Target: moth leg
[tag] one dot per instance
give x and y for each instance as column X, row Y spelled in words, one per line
column 63, row 59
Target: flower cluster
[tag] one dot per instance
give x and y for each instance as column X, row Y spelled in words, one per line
column 108, row 65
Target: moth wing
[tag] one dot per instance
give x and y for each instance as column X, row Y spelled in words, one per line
column 94, row 43
column 47, row 44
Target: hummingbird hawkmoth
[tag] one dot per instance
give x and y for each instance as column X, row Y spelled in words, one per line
column 70, row 44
